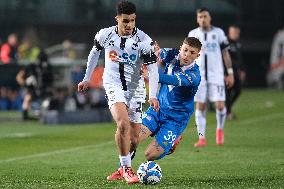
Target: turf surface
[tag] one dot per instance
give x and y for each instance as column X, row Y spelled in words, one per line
column 33, row 155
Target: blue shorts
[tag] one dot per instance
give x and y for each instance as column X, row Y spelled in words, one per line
column 165, row 128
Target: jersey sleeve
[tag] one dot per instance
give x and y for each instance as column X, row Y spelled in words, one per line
column 94, row 54
column 191, row 34
column 147, row 51
column 189, row 78
column 223, row 41
column 168, row 54
column 99, row 40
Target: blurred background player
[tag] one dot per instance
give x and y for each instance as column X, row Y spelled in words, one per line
column 124, row 44
column 233, row 93
column 214, row 49
column 37, row 81
column 9, row 50
column 275, row 76
column 179, row 83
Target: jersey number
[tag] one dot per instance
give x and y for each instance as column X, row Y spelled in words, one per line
column 170, row 137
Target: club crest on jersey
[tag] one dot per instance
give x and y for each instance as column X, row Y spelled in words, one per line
column 124, row 58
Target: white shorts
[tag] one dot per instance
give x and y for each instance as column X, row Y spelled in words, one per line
column 212, row 92
column 133, row 99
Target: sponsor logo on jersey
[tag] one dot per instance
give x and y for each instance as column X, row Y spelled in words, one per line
column 124, row 57
column 212, row 47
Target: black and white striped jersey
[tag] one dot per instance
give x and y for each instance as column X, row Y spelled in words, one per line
column 210, row 60
column 124, row 56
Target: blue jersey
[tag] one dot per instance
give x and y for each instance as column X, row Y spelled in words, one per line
column 178, row 86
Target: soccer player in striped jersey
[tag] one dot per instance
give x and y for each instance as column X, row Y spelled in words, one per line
column 124, row 45
column 212, row 86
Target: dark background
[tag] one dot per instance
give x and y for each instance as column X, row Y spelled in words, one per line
column 167, row 21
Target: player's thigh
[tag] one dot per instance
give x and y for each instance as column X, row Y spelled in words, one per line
column 153, row 151
column 120, row 114
column 219, row 105
column 216, row 92
column 201, row 93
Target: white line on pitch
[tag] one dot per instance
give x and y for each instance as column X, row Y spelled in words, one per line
column 55, row 152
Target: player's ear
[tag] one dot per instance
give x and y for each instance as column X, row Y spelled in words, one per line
column 198, row 55
column 116, row 18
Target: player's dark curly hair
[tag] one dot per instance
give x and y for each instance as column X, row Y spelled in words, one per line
column 125, row 7
column 193, row 42
column 203, row 9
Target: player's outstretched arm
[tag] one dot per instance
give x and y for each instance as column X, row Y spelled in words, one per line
column 91, row 64
column 180, row 79
column 153, row 85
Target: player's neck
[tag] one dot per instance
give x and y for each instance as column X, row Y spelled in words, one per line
column 207, row 28
column 186, row 64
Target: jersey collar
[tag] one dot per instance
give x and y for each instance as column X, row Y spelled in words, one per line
column 189, row 66
column 177, row 62
column 210, row 29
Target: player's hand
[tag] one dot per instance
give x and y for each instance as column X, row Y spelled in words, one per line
column 144, row 72
column 157, row 50
column 154, row 103
column 83, row 86
column 242, row 76
column 229, row 80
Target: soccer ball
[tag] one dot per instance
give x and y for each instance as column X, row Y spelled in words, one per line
column 149, row 172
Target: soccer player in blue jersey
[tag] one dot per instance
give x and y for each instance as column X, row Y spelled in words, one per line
column 179, row 83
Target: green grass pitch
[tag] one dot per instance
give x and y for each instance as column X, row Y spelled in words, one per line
column 33, row 155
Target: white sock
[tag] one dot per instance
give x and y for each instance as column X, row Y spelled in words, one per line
column 221, row 117
column 125, row 160
column 200, row 118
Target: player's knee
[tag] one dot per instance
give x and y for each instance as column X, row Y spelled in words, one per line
column 134, row 140
column 201, row 106
column 220, row 105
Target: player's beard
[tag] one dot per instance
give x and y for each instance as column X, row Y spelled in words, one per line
column 205, row 27
column 127, row 31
